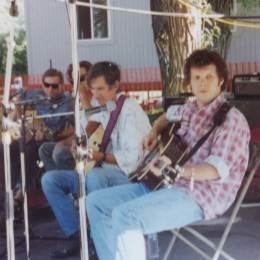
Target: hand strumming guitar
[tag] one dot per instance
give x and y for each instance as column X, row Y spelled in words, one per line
column 150, row 140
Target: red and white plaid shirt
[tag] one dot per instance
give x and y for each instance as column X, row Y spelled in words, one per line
column 227, row 149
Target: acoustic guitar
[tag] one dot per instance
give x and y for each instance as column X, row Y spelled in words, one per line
column 94, row 142
column 31, row 126
column 161, row 166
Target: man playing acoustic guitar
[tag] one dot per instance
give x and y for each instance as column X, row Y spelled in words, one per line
column 207, row 183
column 119, row 154
column 57, row 155
column 48, row 100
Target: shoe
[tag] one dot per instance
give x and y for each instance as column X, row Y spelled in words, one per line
column 91, row 250
column 66, row 252
column 72, row 250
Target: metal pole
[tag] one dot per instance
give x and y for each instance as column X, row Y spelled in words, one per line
column 24, row 190
column 6, row 140
column 81, row 171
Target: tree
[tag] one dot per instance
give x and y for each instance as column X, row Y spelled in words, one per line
column 175, row 38
column 3, row 51
column 20, row 53
column 173, row 41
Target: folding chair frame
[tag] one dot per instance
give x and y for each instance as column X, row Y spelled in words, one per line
column 218, row 248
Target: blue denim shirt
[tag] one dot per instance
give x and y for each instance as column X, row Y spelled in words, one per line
column 59, row 104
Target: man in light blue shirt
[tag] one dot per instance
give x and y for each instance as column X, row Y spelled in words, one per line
column 120, row 157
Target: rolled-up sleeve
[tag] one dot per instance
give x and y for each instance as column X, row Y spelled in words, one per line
column 174, row 113
column 230, row 147
column 220, row 165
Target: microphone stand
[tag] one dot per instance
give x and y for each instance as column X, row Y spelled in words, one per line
column 9, row 207
column 6, row 139
column 80, row 169
column 24, row 188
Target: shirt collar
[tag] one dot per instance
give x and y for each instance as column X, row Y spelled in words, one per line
column 212, row 107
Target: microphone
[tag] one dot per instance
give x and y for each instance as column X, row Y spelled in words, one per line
column 109, row 106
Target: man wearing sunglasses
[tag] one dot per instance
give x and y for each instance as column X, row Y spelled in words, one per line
column 52, row 154
column 50, row 99
column 56, row 101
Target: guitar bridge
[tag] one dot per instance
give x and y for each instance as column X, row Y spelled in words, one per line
column 169, row 173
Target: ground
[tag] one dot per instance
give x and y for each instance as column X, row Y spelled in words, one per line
column 242, row 243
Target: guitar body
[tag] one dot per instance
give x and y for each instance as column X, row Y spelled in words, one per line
column 15, row 126
column 35, row 124
column 31, row 126
column 160, row 166
column 93, row 143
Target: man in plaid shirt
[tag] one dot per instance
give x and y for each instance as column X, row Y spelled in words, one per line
column 207, row 184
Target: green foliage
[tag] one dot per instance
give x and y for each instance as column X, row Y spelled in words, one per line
column 249, row 4
column 210, row 29
column 20, row 53
column 3, row 51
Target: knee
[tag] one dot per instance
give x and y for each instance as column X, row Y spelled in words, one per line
column 94, row 180
column 42, row 150
column 58, row 155
column 48, row 181
column 92, row 204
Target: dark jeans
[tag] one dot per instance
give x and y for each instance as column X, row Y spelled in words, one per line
column 31, row 156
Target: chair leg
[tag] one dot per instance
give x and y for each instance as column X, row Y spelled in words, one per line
column 250, row 205
column 170, row 246
column 236, row 208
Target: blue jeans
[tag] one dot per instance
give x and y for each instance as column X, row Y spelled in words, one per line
column 56, row 158
column 120, row 216
column 59, row 185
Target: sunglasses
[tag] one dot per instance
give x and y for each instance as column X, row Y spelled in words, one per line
column 54, row 86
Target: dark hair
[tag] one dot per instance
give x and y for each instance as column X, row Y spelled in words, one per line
column 204, row 57
column 82, row 64
column 109, row 70
column 53, row 73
